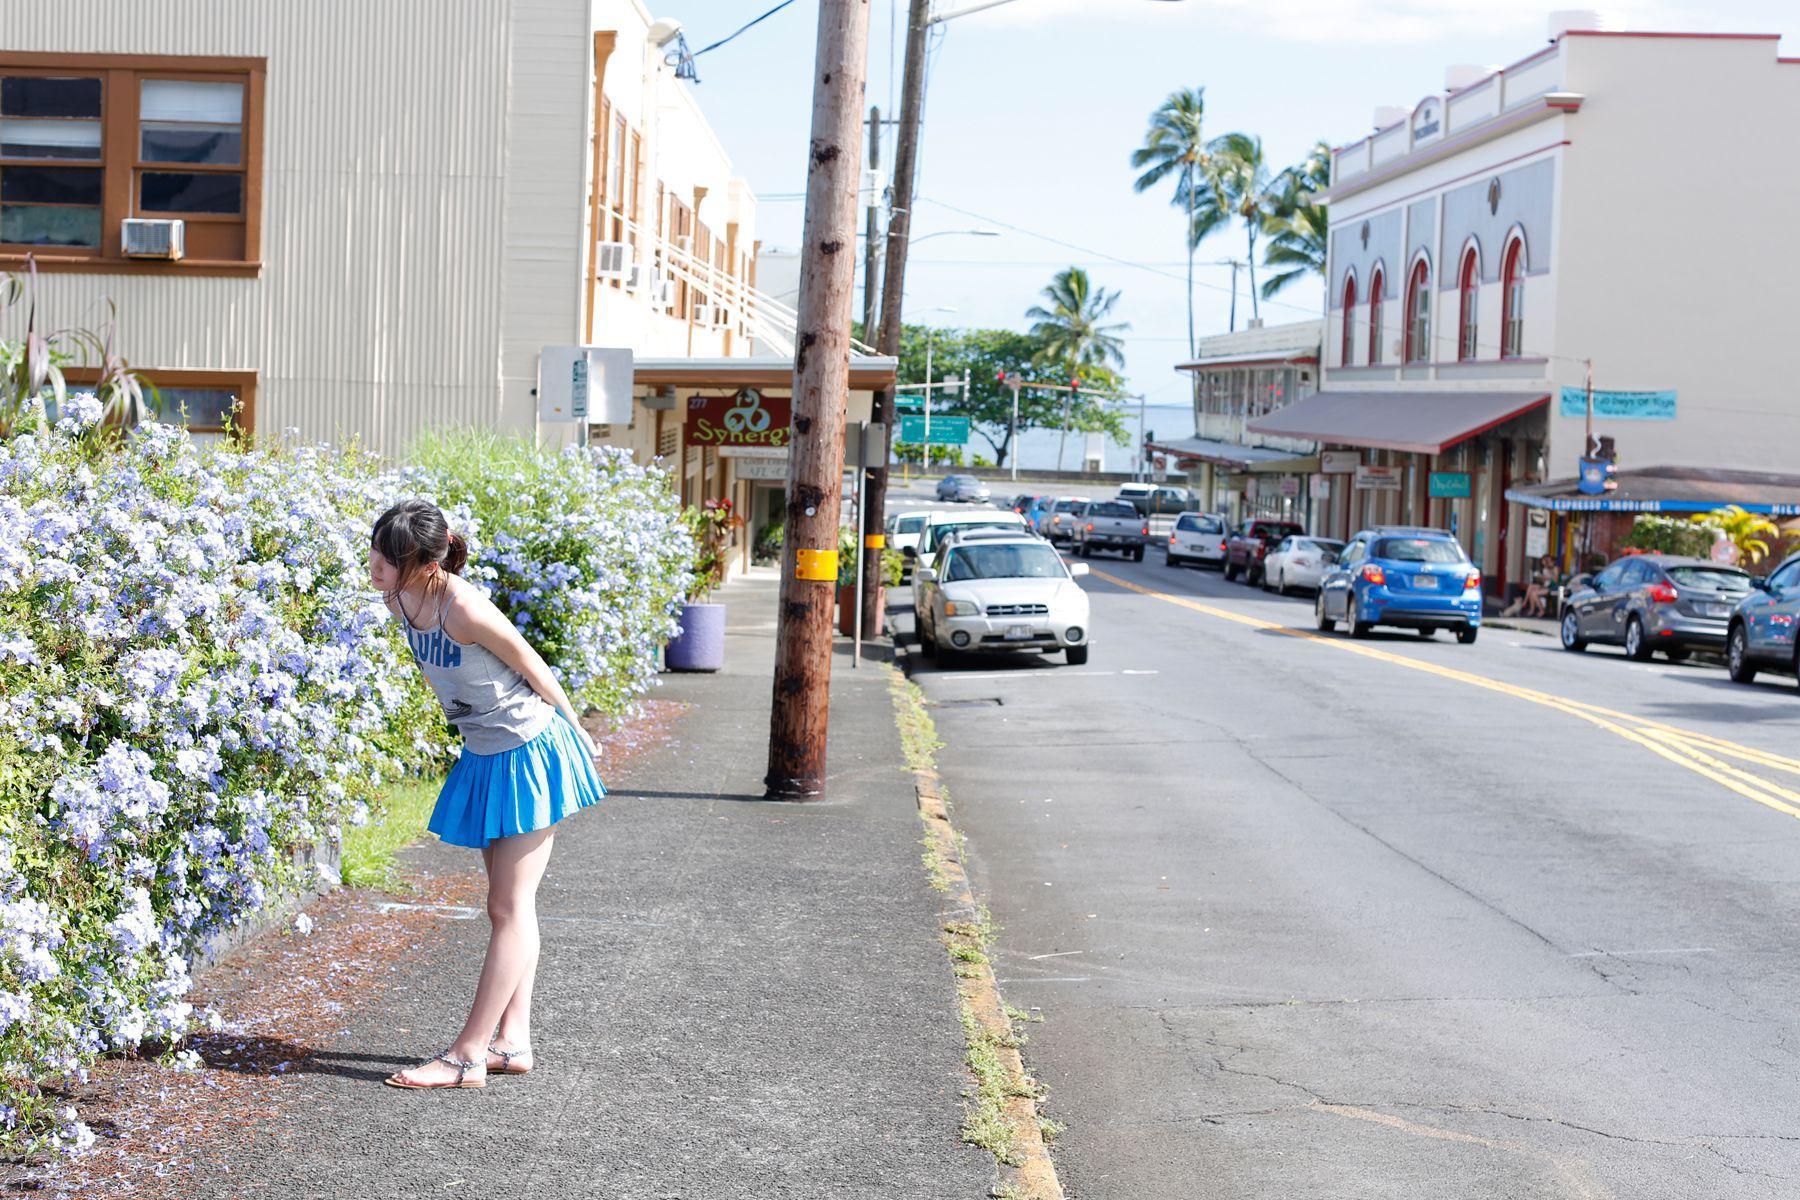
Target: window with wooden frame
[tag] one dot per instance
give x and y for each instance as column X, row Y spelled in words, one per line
column 681, row 233
column 702, row 256
column 1347, row 342
column 1377, row 283
column 1512, row 299
column 1468, row 288
column 87, row 141
column 203, row 401
column 1418, row 313
column 615, row 188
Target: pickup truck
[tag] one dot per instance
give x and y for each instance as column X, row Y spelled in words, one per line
column 1154, row 501
column 1112, row 525
column 1246, row 549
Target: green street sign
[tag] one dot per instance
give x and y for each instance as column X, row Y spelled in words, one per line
column 909, row 404
column 1449, row 485
column 945, row 431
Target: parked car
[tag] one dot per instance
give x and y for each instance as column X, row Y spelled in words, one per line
column 1020, row 503
column 1402, row 576
column 1760, row 635
column 1246, row 549
column 1299, row 562
column 1196, row 538
column 903, row 530
column 1002, row 593
column 962, row 489
column 1652, row 602
column 1131, row 493
column 938, row 525
column 1059, row 522
column 1112, row 525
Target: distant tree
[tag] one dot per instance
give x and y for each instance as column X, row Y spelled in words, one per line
column 1077, row 340
column 1175, row 147
column 1296, row 224
column 1243, row 190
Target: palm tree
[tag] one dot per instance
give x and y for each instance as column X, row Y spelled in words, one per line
column 1074, row 332
column 1243, row 189
column 1297, row 224
column 1173, row 145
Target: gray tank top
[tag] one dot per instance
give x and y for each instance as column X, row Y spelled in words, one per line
column 491, row 705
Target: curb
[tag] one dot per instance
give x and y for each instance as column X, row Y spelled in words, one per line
column 1033, row 1176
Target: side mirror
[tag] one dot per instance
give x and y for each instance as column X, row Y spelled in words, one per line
column 926, row 575
column 1761, row 584
column 1077, row 570
column 910, row 551
column 1329, row 558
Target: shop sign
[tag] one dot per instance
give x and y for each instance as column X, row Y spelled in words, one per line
column 1537, row 533
column 1340, row 462
column 1619, row 406
column 1427, row 121
column 748, row 419
column 1724, row 550
column 1449, row 485
column 1290, row 486
column 762, row 470
column 1378, row 479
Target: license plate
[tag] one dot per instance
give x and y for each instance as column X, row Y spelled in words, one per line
column 1018, row 633
column 1715, row 610
column 1427, row 582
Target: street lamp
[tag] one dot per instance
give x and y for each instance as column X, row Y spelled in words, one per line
column 929, row 331
column 926, row 237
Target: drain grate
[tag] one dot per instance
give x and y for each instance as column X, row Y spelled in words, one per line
column 977, row 702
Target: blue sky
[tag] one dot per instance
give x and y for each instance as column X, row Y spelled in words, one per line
column 1034, row 108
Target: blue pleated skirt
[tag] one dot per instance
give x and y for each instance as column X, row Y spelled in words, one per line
column 531, row 787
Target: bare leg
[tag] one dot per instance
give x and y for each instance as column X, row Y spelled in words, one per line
column 515, row 868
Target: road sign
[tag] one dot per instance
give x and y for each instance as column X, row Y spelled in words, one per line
column 945, row 431
column 909, row 404
column 1378, row 479
column 1449, row 485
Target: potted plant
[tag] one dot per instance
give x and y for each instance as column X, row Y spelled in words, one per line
column 700, row 646
column 892, row 568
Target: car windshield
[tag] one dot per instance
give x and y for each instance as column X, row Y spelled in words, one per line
column 1325, row 545
column 1420, row 550
column 1274, row 532
column 1721, row 579
column 1109, row 508
column 938, row 533
column 1016, row 561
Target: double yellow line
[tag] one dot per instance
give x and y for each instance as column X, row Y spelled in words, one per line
column 1700, row 753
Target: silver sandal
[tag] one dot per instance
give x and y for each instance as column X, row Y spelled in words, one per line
column 506, row 1057
column 463, row 1067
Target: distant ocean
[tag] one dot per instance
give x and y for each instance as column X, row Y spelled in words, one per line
column 1037, row 447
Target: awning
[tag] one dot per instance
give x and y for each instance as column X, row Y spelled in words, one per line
column 1231, row 454
column 1253, row 359
column 1416, row 421
column 1671, row 490
column 867, row 372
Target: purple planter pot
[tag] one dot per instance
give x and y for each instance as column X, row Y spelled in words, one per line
column 700, row 646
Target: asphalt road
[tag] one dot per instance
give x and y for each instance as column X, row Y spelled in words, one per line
column 1313, row 918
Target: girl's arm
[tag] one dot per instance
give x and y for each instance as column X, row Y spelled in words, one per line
column 480, row 621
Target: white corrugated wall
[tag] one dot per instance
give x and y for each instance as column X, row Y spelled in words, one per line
column 423, row 190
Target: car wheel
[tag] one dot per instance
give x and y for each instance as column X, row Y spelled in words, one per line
column 1466, row 635
column 1325, row 623
column 1231, row 570
column 1737, row 655
column 1358, row 629
column 1636, row 648
column 928, row 643
column 1252, row 576
column 1571, row 632
column 1083, row 550
column 1281, row 583
column 1077, row 655
column 1137, row 554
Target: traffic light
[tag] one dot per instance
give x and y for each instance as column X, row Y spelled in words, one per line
column 1075, row 388
column 1149, row 436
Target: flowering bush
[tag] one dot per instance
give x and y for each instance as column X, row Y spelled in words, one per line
column 196, row 680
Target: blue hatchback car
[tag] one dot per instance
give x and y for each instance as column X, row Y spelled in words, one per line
column 1403, row 576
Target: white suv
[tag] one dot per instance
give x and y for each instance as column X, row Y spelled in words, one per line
column 1196, row 538
column 998, row 593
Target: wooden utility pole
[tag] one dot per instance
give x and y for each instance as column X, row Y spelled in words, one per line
column 801, row 712
column 893, row 279
column 872, row 251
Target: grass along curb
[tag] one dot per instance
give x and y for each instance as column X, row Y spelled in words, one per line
column 1001, row 1115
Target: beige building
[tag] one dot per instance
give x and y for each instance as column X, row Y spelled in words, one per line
column 361, row 220
column 1490, row 242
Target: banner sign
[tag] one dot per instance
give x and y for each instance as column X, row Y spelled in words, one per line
column 1537, row 533
column 1378, row 479
column 765, row 470
column 1321, row 487
column 1290, row 486
column 1619, row 406
column 748, row 419
column 1449, row 485
column 1340, row 462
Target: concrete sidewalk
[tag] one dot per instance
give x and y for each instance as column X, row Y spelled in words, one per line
column 736, row 998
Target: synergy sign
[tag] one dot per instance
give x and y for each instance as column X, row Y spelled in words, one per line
column 747, row 419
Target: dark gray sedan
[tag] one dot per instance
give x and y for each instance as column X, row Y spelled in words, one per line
column 1653, row 602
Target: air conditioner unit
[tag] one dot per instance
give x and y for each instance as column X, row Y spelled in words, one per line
column 634, row 277
column 715, row 316
column 143, row 238
column 662, row 293
column 612, row 260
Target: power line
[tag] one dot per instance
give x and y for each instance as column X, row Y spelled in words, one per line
column 741, row 29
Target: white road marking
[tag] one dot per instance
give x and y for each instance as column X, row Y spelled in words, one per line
column 1051, row 979
column 1053, row 674
column 1642, row 953
column 1058, row 954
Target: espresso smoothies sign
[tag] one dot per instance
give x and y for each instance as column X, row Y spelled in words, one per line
column 745, row 419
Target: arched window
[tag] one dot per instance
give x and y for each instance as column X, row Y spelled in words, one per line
column 1512, row 299
column 1347, row 350
column 1468, row 287
column 1377, row 282
column 1418, row 313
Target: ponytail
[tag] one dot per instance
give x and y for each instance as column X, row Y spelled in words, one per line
column 456, row 553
